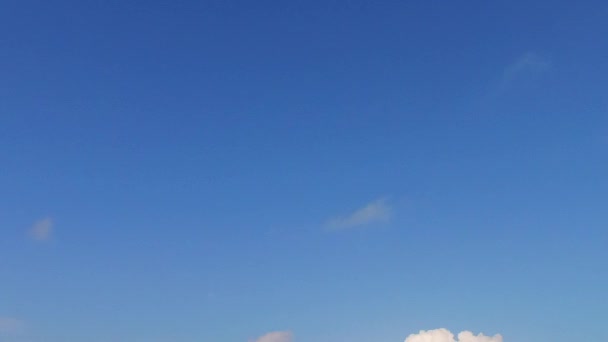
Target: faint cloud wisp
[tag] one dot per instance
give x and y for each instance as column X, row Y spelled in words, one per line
column 42, row 230
column 374, row 212
column 9, row 326
column 528, row 63
column 276, row 336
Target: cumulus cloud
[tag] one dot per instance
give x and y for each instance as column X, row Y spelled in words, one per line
column 374, row 212
column 444, row 335
column 9, row 325
column 276, row 336
column 42, row 229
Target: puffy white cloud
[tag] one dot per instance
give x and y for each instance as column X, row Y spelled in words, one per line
column 9, row 325
column 444, row 335
column 42, row 229
column 276, row 336
column 373, row 212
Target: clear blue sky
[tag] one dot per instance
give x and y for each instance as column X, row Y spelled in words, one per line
column 184, row 171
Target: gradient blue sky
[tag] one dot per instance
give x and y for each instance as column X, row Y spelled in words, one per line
column 356, row 171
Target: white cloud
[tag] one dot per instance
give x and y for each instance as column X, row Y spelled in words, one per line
column 437, row 335
column 276, row 336
column 9, row 325
column 528, row 63
column 444, row 335
column 374, row 212
column 42, row 230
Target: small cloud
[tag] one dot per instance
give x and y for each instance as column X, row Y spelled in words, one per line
column 374, row 212
column 528, row 63
column 9, row 326
column 42, row 230
column 276, row 336
column 444, row 335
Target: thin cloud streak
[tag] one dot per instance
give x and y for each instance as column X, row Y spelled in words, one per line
column 529, row 62
column 522, row 74
column 276, row 336
column 377, row 211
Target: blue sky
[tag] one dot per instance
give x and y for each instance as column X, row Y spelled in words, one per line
column 324, row 170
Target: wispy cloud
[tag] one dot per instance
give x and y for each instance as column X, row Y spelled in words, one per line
column 9, row 325
column 276, row 336
column 42, row 230
column 444, row 335
column 528, row 63
column 374, row 212
column 523, row 73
